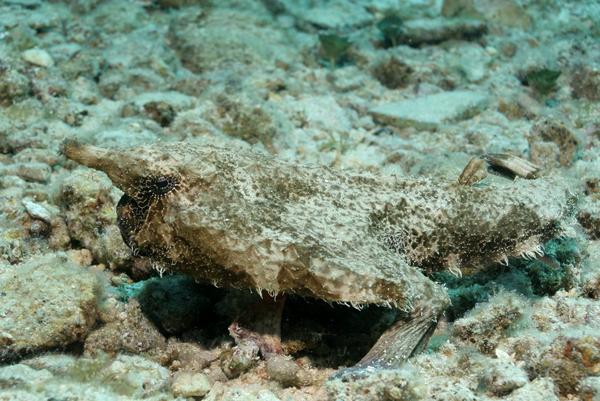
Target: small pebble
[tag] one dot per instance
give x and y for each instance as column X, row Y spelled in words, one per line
column 81, row 257
column 38, row 57
column 238, row 360
column 39, row 228
column 120, row 279
column 6, row 339
column 188, row 384
column 283, row 370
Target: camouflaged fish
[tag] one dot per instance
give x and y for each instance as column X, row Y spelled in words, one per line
column 237, row 218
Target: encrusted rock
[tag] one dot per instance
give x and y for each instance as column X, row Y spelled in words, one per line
column 39, row 57
column 502, row 377
column 130, row 332
column 188, row 356
column 14, row 85
column 177, row 3
column 240, row 392
column 392, row 73
column 46, row 303
column 22, row 375
column 87, row 202
column 161, row 112
column 224, row 37
column 39, row 211
column 245, row 121
column 539, row 389
column 516, row 108
column 590, row 389
column 136, row 376
column 62, row 376
column 59, row 237
column 585, row 83
column 589, row 218
column 335, row 15
column 379, row 384
column 557, row 136
column 31, row 171
column 487, row 323
column 569, row 360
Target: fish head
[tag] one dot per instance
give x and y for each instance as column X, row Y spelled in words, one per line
column 141, row 173
column 147, row 176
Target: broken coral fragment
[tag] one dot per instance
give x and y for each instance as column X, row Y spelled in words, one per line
column 431, row 111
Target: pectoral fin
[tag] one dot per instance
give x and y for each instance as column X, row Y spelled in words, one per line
column 401, row 341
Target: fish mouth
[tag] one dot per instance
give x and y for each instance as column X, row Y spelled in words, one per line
column 113, row 162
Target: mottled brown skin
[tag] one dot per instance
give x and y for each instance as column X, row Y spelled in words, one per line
column 241, row 219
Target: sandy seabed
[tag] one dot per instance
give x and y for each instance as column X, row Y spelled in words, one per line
column 407, row 88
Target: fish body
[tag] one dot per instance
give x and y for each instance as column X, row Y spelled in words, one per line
column 238, row 218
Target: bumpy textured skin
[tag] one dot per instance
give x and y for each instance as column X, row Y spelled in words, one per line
column 237, row 218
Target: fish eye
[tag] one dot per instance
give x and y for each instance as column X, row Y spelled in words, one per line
column 163, row 184
column 158, row 186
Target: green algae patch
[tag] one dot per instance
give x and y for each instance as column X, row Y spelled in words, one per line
column 542, row 80
column 556, row 271
column 391, row 29
column 334, row 48
column 542, row 276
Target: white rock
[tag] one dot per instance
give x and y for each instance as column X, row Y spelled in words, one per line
column 431, row 111
column 471, row 60
column 502, row 377
column 38, row 57
column 539, row 389
column 137, row 376
column 37, row 211
column 337, row 14
column 187, row 384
